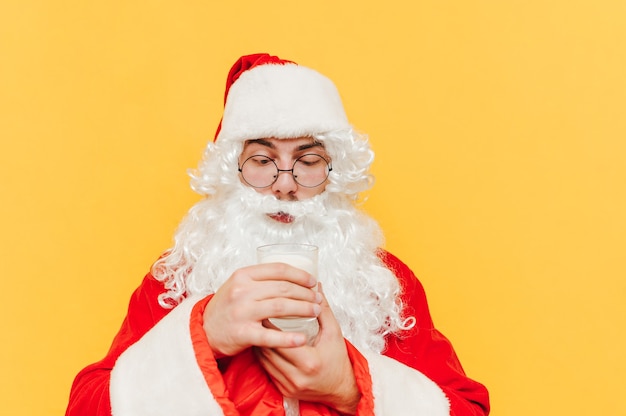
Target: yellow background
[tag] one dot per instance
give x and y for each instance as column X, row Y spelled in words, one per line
column 500, row 135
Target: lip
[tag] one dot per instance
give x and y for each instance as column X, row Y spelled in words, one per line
column 282, row 217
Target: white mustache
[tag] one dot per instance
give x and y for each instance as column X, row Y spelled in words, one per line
column 268, row 204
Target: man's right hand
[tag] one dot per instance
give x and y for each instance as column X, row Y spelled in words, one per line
column 233, row 319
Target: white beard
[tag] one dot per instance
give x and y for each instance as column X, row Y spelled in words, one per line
column 221, row 234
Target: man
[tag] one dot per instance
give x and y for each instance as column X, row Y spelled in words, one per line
column 285, row 167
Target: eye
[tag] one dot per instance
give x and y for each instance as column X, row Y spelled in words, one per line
column 260, row 160
column 311, row 159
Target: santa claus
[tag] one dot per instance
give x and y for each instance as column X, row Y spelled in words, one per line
column 285, row 167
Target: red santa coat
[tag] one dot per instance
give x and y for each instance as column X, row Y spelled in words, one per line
column 160, row 363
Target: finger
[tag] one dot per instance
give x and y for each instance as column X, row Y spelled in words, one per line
column 281, row 308
column 283, row 289
column 277, row 367
column 281, row 271
column 275, row 357
column 278, row 378
column 325, row 306
column 272, row 338
column 288, row 358
column 326, row 317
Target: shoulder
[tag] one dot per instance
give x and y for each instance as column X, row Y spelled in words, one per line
column 145, row 306
column 150, row 288
column 407, row 279
column 412, row 293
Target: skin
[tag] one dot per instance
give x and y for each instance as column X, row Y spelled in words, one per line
column 236, row 317
column 285, row 152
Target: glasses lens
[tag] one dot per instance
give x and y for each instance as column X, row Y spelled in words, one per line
column 259, row 171
column 310, row 170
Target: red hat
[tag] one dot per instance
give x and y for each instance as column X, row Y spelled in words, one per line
column 271, row 97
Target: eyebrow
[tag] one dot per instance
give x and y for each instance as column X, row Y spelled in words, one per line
column 262, row 142
column 311, row 145
column 266, row 143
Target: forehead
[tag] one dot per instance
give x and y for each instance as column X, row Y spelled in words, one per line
column 283, row 145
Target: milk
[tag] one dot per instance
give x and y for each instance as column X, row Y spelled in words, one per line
column 297, row 260
column 303, row 257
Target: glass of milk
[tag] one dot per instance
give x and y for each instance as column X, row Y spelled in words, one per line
column 302, row 256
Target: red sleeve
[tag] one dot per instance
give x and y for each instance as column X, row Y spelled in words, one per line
column 427, row 350
column 89, row 395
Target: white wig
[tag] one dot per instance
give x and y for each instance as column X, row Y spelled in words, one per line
column 267, row 97
column 221, row 232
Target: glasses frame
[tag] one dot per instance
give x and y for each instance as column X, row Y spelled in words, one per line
column 329, row 168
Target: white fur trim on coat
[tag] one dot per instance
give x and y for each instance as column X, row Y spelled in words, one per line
column 400, row 390
column 282, row 101
column 159, row 375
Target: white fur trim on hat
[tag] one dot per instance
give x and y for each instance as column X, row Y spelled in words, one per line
column 281, row 101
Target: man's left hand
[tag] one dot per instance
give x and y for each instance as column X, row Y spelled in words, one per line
column 321, row 372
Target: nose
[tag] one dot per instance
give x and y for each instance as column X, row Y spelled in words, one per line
column 285, row 186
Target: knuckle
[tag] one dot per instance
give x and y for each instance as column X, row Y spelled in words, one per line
column 238, row 274
column 310, row 367
column 284, row 289
column 267, row 338
column 282, row 268
column 277, row 308
column 237, row 292
column 301, row 384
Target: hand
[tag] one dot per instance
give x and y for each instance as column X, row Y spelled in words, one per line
column 319, row 373
column 233, row 319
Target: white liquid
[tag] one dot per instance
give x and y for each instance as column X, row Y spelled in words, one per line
column 293, row 259
column 306, row 261
column 307, row 325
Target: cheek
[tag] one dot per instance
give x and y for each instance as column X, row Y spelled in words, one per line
column 305, row 193
column 264, row 191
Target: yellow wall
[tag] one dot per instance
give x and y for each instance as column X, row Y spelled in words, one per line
column 500, row 135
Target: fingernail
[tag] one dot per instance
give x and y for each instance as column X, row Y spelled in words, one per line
column 317, row 309
column 299, row 339
column 318, row 297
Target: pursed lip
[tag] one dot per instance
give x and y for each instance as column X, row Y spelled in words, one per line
column 282, row 217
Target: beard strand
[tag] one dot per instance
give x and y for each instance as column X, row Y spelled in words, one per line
column 221, row 234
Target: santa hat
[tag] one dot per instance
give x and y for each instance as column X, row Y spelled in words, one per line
column 271, row 97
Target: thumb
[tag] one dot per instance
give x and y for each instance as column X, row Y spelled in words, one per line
column 326, row 316
column 320, row 290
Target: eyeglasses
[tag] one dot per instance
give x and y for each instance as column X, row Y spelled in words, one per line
column 309, row 170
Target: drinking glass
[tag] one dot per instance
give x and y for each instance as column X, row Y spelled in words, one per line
column 302, row 256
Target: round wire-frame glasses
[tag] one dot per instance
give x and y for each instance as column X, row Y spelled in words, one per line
column 309, row 170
